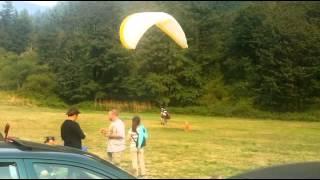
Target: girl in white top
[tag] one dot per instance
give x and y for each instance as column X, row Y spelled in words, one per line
column 137, row 152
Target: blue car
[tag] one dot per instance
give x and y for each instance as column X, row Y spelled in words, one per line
column 27, row 160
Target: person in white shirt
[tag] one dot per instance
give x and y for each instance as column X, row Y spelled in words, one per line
column 116, row 137
column 138, row 135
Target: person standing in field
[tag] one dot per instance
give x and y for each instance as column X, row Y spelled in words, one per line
column 138, row 136
column 165, row 116
column 71, row 133
column 116, row 137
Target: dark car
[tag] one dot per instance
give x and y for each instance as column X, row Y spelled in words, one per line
column 27, row 160
column 304, row 170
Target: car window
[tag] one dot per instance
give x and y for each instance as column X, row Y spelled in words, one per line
column 8, row 170
column 59, row 171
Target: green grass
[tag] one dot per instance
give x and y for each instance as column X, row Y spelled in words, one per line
column 214, row 147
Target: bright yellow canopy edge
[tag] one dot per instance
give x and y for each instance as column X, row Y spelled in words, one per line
column 134, row 26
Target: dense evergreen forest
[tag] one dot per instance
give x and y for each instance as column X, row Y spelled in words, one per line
column 262, row 54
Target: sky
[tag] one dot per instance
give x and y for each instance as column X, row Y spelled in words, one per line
column 44, row 3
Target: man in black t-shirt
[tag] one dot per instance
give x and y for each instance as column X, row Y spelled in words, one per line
column 71, row 133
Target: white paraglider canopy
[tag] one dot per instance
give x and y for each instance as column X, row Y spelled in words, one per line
column 134, row 26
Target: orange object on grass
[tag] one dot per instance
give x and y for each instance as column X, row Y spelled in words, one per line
column 187, row 126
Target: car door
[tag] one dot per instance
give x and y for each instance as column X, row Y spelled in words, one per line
column 53, row 169
column 12, row 169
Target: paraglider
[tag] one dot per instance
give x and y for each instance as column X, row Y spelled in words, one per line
column 134, row 26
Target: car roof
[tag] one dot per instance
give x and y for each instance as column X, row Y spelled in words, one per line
column 19, row 148
column 16, row 145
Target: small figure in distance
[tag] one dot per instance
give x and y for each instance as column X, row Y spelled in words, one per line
column 165, row 116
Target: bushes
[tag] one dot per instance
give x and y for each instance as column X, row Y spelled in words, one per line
column 243, row 108
column 40, row 85
column 14, row 98
column 43, row 100
column 215, row 91
column 200, row 110
column 29, row 83
column 132, row 106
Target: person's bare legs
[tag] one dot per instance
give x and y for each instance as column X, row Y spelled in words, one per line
column 116, row 158
column 141, row 162
column 109, row 156
column 134, row 159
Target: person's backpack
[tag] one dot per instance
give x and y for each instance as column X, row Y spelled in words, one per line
column 168, row 115
column 143, row 136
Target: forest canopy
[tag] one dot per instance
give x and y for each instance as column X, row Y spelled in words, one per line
column 264, row 52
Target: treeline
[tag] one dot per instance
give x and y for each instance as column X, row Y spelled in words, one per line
column 262, row 54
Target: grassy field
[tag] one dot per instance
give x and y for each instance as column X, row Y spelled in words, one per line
column 214, row 147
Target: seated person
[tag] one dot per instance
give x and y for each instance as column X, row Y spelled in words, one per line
column 50, row 140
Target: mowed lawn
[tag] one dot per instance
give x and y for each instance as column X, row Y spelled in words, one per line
column 215, row 146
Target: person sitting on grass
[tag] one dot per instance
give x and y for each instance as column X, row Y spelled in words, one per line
column 50, row 140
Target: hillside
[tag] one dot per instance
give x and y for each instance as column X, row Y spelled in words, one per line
column 243, row 57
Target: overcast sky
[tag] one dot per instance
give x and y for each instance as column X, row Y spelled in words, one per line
column 44, row 3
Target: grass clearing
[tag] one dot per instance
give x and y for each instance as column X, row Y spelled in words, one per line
column 215, row 146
